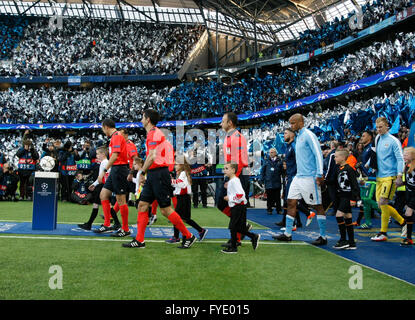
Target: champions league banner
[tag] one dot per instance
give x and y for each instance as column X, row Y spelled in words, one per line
column 335, row 92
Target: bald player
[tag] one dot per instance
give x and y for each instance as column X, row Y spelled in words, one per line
column 308, row 180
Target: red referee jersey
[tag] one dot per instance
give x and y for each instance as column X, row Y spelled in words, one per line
column 235, row 149
column 119, row 145
column 131, row 152
column 164, row 149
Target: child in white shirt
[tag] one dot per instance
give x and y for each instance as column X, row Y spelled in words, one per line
column 182, row 191
column 237, row 202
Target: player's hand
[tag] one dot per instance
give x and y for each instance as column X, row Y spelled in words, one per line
column 130, row 177
column 141, row 180
column 320, row 181
column 352, row 203
column 399, row 181
column 225, row 186
column 226, row 198
column 91, row 187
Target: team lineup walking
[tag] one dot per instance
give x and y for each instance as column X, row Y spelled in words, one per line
column 207, row 150
column 164, row 179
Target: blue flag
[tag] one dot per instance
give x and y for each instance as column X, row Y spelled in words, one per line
column 395, row 127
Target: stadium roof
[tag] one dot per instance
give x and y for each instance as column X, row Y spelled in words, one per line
column 267, row 21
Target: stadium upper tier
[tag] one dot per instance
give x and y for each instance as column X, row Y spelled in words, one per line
column 93, row 47
column 194, row 100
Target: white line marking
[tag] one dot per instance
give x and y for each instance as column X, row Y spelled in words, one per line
column 152, row 226
column 128, row 238
column 355, row 262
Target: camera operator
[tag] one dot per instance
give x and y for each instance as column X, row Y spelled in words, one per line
column 88, row 160
column 80, row 193
column 8, row 183
column 67, row 168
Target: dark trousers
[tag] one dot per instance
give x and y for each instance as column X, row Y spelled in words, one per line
column 183, row 209
column 66, row 185
column 218, row 190
column 400, row 202
column 331, row 195
column 237, row 224
column 24, row 185
column 245, row 185
column 203, row 191
column 274, row 199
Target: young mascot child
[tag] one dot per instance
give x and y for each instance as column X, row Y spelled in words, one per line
column 182, row 191
column 237, row 202
column 96, row 187
column 347, row 193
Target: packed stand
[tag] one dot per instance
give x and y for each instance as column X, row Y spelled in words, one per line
column 100, row 47
column 339, row 29
column 205, row 99
column 58, row 105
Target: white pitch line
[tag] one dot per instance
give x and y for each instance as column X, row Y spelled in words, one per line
column 363, row 265
column 133, row 225
column 124, row 240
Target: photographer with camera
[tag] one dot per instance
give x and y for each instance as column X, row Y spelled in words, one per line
column 67, row 168
column 80, row 193
column 28, row 158
column 87, row 162
column 8, row 182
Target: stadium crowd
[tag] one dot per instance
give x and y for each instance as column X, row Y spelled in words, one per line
column 328, row 125
column 339, row 28
column 94, row 47
column 192, row 100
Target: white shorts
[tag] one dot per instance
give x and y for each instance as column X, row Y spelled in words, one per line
column 305, row 188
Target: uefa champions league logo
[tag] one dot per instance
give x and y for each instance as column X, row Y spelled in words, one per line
column 44, row 186
column 391, row 75
column 322, row 96
column 353, row 87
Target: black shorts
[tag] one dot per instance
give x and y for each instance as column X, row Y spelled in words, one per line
column 157, row 187
column 117, row 181
column 96, row 194
column 410, row 199
column 238, row 218
column 184, row 205
column 342, row 204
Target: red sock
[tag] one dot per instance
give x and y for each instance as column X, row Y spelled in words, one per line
column 238, row 237
column 116, row 207
column 124, row 217
column 154, row 207
column 142, row 221
column 106, row 208
column 178, row 223
column 174, row 200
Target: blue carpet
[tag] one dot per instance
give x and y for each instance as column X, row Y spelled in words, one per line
column 388, row 257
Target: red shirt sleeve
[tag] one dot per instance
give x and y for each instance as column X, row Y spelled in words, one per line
column 116, row 142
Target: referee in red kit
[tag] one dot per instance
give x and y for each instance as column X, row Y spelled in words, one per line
column 157, row 185
column 235, row 149
column 117, row 180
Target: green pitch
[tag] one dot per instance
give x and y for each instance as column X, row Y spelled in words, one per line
column 99, row 268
